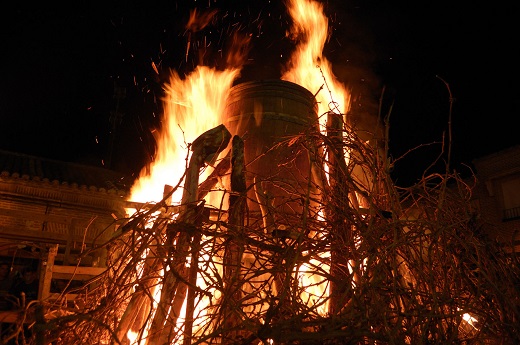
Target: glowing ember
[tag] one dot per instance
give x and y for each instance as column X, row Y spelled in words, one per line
column 470, row 320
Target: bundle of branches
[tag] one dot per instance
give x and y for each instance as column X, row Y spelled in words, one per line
column 356, row 261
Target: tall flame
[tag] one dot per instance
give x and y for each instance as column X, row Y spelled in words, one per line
column 195, row 104
column 307, row 66
column 192, row 106
column 310, row 69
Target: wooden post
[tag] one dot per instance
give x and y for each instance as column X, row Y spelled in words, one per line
column 337, row 210
column 235, row 248
column 204, row 148
column 70, row 241
column 46, row 273
column 139, row 306
column 220, row 170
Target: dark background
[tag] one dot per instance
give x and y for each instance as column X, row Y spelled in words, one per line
column 62, row 65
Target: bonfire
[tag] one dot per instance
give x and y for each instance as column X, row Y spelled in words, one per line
column 218, row 249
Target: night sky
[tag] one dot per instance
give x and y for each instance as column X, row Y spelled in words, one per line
column 61, row 66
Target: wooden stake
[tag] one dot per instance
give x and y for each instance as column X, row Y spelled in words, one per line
column 204, row 148
column 139, row 306
column 235, row 248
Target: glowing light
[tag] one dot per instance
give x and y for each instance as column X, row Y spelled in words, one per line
column 316, row 287
column 192, row 106
column 307, row 66
column 310, row 69
column 470, row 320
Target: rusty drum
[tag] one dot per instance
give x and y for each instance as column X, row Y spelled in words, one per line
column 273, row 117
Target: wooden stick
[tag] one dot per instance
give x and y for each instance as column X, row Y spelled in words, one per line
column 139, row 304
column 220, row 170
column 204, row 148
column 337, row 211
column 235, row 248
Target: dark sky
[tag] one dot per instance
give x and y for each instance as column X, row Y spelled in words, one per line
column 60, row 65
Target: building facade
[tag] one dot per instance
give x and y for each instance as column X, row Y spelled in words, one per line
column 64, row 209
column 497, row 194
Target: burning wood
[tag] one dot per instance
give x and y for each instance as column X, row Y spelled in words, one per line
column 340, row 273
column 178, row 278
column 243, row 285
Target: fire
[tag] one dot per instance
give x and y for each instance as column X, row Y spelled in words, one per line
column 195, row 104
column 192, row 106
column 334, row 266
column 308, row 67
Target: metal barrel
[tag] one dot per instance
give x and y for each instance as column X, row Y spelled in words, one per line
column 270, row 115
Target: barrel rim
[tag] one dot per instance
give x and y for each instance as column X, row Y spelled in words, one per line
column 270, row 116
column 264, row 82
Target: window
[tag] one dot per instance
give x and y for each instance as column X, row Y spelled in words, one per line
column 511, row 198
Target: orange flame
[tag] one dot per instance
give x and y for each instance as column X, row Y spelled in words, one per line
column 192, row 106
column 307, row 66
column 310, row 69
column 195, row 104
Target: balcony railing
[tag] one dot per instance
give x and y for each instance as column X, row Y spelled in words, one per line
column 512, row 213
